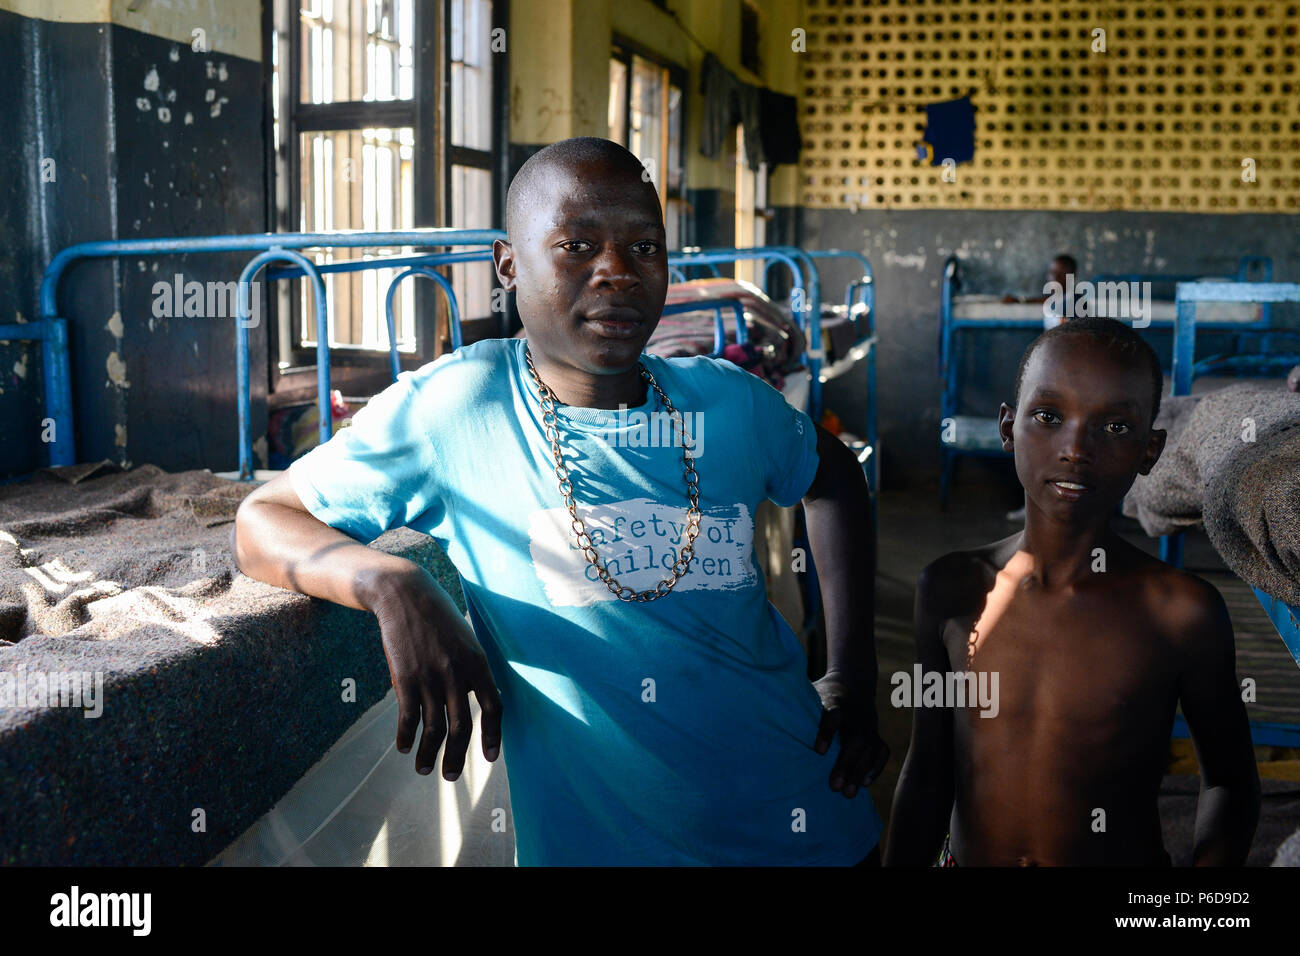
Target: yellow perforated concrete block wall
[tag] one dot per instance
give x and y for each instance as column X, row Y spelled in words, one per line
column 1133, row 104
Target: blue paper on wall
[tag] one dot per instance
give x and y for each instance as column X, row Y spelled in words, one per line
column 950, row 130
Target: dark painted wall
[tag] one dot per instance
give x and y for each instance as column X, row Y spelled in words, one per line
column 1004, row 252
column 149, row 140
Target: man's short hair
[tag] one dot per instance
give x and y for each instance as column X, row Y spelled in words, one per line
column 1067, row 260
column 1117, row 337
column 523, row 196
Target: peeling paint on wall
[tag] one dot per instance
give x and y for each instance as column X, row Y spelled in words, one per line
column 116, row 370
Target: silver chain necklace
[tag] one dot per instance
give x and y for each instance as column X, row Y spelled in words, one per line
column 550, row 423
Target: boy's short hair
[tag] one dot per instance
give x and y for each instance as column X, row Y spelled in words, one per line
column 1068, row 261
column 1115, row 335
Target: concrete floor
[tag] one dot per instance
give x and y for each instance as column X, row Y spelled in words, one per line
column 913, row 532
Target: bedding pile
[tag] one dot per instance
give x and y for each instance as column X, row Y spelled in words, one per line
column 143, row 678
column 1232, row 465
column 775, row 343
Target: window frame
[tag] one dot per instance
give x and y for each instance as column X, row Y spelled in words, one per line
column 428, row 114
column 623, row 50
column 494, row 161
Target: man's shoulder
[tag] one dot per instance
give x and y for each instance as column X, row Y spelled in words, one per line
column 466, row 374
column 716, row 379
column 699, row 366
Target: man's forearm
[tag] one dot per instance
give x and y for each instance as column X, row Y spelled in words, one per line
column 292, row 550
column 841, row 538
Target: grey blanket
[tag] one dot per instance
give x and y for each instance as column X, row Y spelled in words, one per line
column 88, row 550
column 212, row 691
column 1232, row 465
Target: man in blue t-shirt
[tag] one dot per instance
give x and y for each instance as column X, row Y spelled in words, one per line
column 599, row 505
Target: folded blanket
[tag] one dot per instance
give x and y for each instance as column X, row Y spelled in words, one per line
column 1233, row 462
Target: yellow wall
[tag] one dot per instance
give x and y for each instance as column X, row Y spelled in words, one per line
column 233, row 27
column 559, row 61
column 1163, row 119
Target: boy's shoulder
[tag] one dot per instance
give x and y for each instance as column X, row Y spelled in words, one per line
column 1188, row 607
column 949, row 584
column 1184, row 605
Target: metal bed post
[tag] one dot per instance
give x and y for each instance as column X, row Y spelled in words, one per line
column 1186, row 296
column 52, row 329
column 790, row 255
column 52, row 334
column 1285, row 618
column 864, row 347
column 947, row 377
column 453, row 312
column 244, row 398
column 717, row 304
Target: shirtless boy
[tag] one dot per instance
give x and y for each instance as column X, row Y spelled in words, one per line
column 653, row 706
column 1094, row 642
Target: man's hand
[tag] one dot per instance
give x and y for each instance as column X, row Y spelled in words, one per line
column 850, row 710
column 435, row 662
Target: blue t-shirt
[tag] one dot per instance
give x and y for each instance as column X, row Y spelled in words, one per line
column 676, row 731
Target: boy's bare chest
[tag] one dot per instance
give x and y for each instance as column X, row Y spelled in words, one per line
column 1066, row 657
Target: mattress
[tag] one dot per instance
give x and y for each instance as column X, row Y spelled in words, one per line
column 990, row 308
column 197, row 686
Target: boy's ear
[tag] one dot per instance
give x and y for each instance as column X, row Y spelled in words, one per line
column 503, row 257
column 1006, row 421
column 1155, row 445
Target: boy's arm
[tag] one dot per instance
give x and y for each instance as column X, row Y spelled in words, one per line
column 837, row 510
column 923, row 800
column 1228, row 809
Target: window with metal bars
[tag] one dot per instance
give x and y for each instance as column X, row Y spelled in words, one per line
column 384, row 115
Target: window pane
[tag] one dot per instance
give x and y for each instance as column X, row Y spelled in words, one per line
column 356, row 50
column 618, row 102
column 751, row 197
column 358, row 179
column 471, row 74
column 647, row 127
column 471, row 208
column 675, row 170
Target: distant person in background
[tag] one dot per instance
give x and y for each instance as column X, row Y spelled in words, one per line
column 1064, row 271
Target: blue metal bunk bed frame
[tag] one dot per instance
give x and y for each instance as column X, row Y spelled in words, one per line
column 805, row 304
column 51, row 328
column 279, row 255
column 976, row 436
column 1285, row 617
